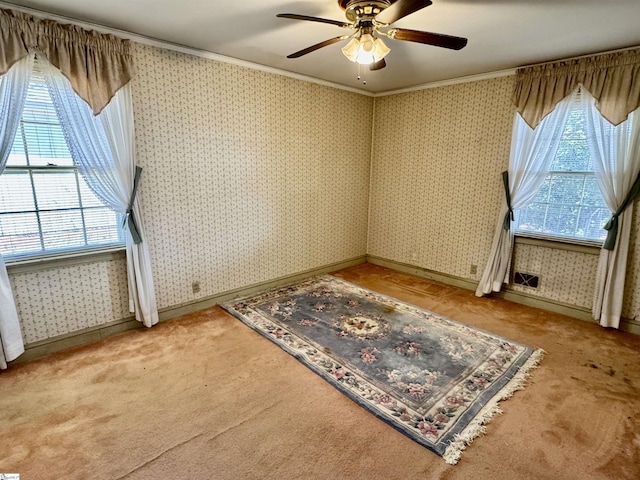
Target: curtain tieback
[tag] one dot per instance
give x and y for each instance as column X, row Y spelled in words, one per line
column 509, row 216
column 612, row 228
column 129, row 219
column 612, row 225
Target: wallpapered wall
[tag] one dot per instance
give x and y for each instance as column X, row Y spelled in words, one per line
column 438, row 154
column 248, row 177
column 55, row 301
column 436, row 191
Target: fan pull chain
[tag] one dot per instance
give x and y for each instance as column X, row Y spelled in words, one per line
column 360, row 76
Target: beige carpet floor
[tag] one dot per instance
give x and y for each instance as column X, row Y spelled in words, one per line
column 205, row 397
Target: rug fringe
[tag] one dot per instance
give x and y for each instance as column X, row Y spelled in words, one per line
column 477, row 426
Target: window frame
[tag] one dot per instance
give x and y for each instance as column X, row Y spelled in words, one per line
column 44, row 254
column 30, row 170
column 557, row 238
column 550, row 236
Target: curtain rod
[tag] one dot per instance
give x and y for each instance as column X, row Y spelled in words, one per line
column 607, row 52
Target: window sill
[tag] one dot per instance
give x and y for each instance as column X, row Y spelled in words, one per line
column 581, row 246
column 60, row 260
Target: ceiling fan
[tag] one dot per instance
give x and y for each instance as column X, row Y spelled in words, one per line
column 370, row 19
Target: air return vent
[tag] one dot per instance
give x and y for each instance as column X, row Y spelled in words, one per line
column 526, row 279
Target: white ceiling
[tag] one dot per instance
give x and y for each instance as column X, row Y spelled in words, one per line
column 503, row 34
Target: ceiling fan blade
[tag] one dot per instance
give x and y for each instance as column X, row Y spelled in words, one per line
column 378, row 65
column 401, row 9
column 317, row 46
column 294, row 16
column 436, row 39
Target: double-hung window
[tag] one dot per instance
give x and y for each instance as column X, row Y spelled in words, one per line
column 45, row 205
column 569, row 205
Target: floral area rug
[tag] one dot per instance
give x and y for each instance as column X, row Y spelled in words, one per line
column 435, row 380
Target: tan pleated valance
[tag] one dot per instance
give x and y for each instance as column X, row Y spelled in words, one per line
column 612, row 79
column 97, row 65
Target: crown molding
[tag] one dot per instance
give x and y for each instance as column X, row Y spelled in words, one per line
column 496, row 74
column 154, row 42
column 452, row 81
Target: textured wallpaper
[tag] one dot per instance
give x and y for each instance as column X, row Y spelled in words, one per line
column 565, row 277
column 248, row 176
column 56, row 301
column 436, row 192
column 631, row 306
column 436, row 185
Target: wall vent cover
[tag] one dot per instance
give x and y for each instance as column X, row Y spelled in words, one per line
column 526, row 279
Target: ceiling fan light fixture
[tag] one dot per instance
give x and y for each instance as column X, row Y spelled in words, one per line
column 370, row 19
column 365, row 49
column 351, row 49
column 381, row 50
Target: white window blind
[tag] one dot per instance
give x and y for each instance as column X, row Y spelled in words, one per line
column 45, row 205
column 569, row 204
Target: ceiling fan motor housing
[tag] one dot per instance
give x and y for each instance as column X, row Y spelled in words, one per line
column 370, row 19
column 363, row 10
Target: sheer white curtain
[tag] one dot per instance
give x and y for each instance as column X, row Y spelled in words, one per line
column 615, row 151
column 103, row 148
column 532, row 152
column 13, row 91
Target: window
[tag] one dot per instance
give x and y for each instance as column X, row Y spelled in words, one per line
column 569, row 204
column 45, row 205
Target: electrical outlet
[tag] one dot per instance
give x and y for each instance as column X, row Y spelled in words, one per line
column 195, row 287
column 473, row 270
column 414, row 257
